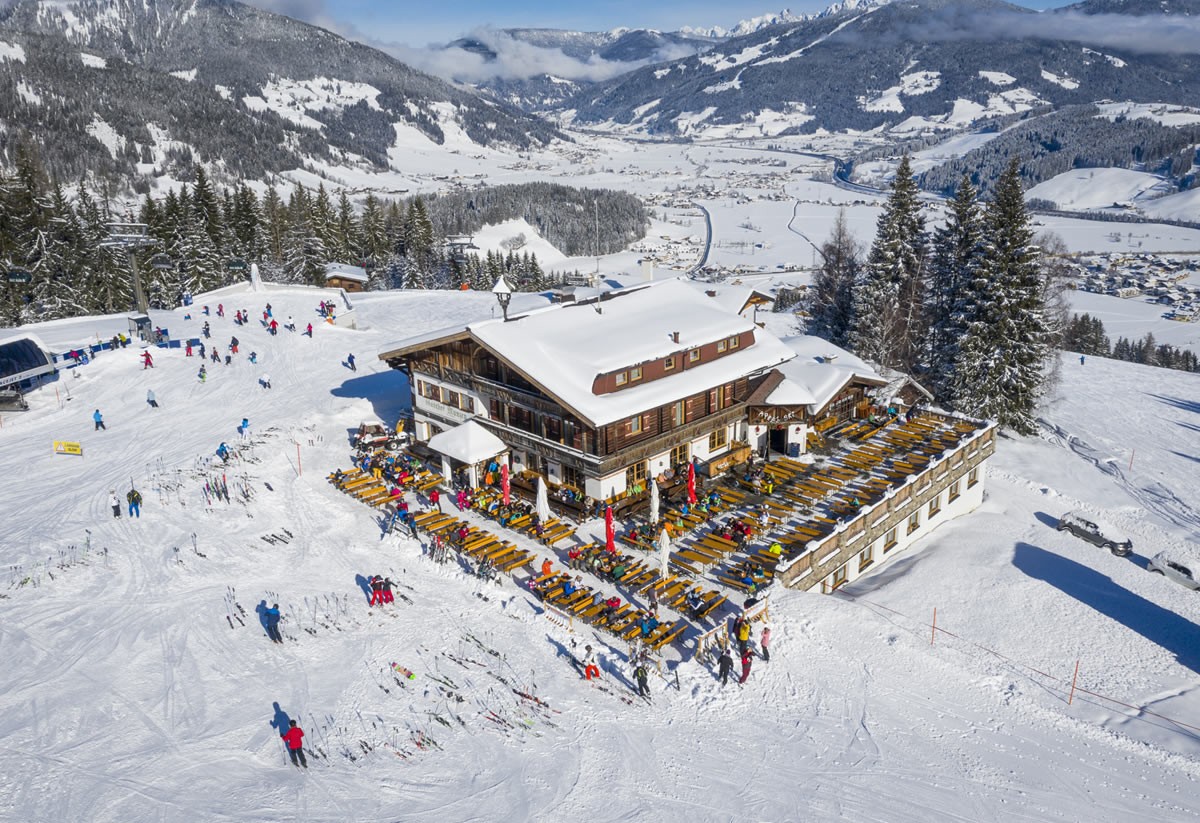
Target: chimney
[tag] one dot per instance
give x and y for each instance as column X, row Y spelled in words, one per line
column 675, row 336
column 829, row 358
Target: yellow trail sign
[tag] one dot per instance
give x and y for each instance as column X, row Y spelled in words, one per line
column 67, row 447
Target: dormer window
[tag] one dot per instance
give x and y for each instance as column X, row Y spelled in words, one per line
column 622, row 378
column 722, row 345
column 635, row 374
column 733, row 342
column 668, row 363
column 694, row 356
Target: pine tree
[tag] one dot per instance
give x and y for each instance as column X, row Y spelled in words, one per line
column 57, row 289
column 1000, row 369
column 830, row 301
column 304, row 256
column 347, row 243
column 956, row 258
column 888, row 295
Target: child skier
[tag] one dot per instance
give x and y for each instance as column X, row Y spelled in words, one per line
column 272, row 617
column 294, row 737
column 115, row 503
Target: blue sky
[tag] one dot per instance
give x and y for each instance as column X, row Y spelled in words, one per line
column 420, row 23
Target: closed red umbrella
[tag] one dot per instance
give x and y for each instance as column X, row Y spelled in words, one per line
column 505, row 487
column 610, row 536
column 691, row 483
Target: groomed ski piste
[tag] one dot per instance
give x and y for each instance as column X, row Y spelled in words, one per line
column 138, row 683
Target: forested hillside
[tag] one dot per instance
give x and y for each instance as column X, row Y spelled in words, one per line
column 53, row 238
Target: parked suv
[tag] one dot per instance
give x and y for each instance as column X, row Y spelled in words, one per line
column 1176, row 566
column 1099, row 534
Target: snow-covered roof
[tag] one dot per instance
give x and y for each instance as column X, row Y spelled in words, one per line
column 346, row 272
column 734, row 299
column 564, row 347
column 468, row 442
column 817, row 373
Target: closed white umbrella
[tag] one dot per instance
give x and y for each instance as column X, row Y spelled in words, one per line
column 664, row 550
column 543, row 501
column 653, row 502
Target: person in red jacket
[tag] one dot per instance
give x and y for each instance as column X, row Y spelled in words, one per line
column 294, row 737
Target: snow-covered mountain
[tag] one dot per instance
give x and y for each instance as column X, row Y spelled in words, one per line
column 908, row 66
column 121, row 88
column 754, row 24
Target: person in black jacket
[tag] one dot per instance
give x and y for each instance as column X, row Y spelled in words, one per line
column 725, row 663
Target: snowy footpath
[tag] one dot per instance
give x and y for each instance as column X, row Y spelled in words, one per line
column 139, row 683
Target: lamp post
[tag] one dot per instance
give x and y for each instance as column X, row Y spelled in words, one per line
column 503, row 295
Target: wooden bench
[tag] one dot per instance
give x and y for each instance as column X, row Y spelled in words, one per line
column 668, row 637
column 519, row 559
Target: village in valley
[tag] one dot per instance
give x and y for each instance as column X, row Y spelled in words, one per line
column 1170, row 280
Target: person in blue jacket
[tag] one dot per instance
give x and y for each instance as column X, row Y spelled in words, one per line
column 223, row 453
column 98, row 419
column 648, row 625
column 271, row 618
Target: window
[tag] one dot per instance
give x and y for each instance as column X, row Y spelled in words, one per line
column 571, row 476
column 973, row 477
column 719, row 398
column 522, row 419
column 451, row 398
column 495, row 409
column 722, row 345
column 433, row 392
column 635, row 476
column 718, row 439
column 866, row 557
column 668, row 363
column 681, row 454
column 935, row 505
column 734, row 342
column 838, row 577
column 889, row 540
column 467, row 404
column 553, row 429
column 914, row 522
column 955, row 490
column 622, row 378
column 635, row 374
column 679, row 413
column 635, row 425
column 694, row 356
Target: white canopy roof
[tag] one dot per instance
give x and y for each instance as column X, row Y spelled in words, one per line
column 817, row 373
column 468, row 442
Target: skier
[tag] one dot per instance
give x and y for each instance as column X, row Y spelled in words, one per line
column 291, row 324
column 386, row 586
column 590, row 669
column 747, row 658
column 272, row 617
column 202, row 354
column 724, row 665
column 98, row 419
column 114, row 502
column 244, row 428
column 376, row 584
column 202, row 374
column 265, row 380
column 151, row 399
column 764, row 641
column 274, row 327
column 350, row 362
column 228, row 359
column 254, row 357
column 206, row 331
column 223, row 452
column 308, row 331
column 641, row 673
column 216, row 355
column 435, row 500
column 220, row 310
column 1081, row 359
column 135, row 503
column 741, row 628
column 294, row 737
column 233, row 344
column 188, row 349
column 412, row 525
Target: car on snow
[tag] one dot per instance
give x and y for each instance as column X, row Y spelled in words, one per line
column 1182, row 567
column 1088, row 528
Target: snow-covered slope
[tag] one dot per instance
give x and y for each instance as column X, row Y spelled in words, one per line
column 132, row 692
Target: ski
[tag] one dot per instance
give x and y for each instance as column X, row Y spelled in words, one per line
column 406, row 672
